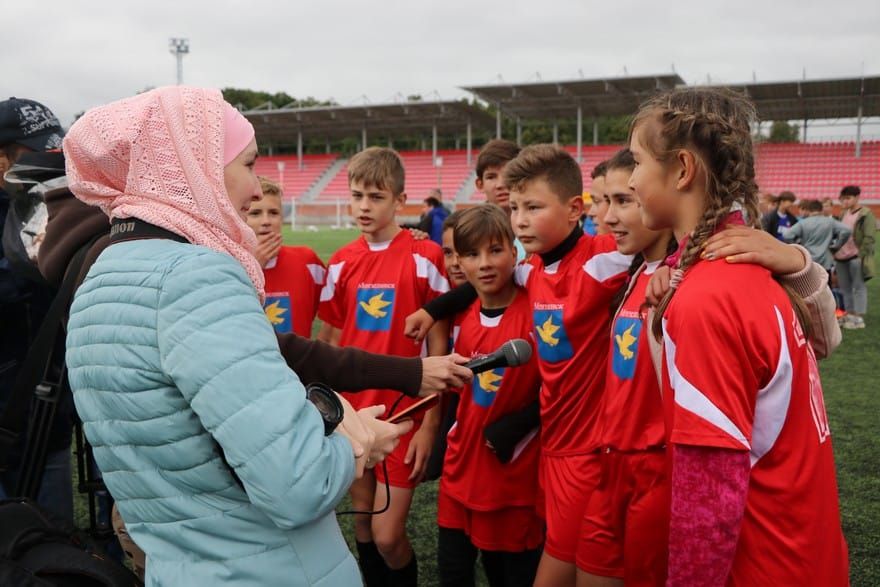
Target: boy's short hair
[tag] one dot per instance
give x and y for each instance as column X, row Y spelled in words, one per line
column 495, row 153
column 600, row 170
column 379, row 167
column 810, row 205
column 851, row 190
column 452, row 220
column 550, row 163
column 269, row 187
column 481, row 224
column 786, row 197
column 433, row 202
column 623, row 159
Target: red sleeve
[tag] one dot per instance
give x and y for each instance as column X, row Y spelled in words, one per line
column 332, row 302
column 709, row 488
column 716, row 353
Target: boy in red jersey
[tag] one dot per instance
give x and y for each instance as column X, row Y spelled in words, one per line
column 294, row 275
column 753, row 489
column 486, row 501
column 490, row 178
column 571, row 279
column 372, row 284
column 598, row 203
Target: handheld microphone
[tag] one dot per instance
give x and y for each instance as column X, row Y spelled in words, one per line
column 512, row 353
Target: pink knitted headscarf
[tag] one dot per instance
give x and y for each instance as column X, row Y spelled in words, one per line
column 159, row 156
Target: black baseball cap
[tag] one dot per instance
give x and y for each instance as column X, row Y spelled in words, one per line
column 29, row 123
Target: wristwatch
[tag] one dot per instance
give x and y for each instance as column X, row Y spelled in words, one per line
column 324, row 398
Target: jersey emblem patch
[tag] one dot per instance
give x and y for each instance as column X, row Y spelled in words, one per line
column 277, row 309
column 374, row 309
column 553, row 343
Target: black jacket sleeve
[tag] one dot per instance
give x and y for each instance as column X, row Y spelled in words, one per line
column 506, row 432
column 452, row 302
column 348, row 368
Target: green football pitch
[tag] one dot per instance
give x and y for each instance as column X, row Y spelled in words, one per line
column 852, row 394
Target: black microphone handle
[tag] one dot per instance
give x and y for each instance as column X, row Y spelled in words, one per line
column 487, row 362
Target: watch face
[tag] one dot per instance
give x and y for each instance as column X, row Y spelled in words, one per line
column 322, row 403
column 329, row 406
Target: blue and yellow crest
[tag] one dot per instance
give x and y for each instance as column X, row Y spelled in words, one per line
column 625, row 346
column 374, row 309
column 277, row 309
column 553, row 343
column 485, row 386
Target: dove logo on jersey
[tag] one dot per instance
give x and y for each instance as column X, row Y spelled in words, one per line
column 553, row 343
column 374, row 308
column 625, row 346
column 486, row 385
column 277, row 309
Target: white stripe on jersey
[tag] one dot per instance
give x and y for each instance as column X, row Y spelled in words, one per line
column 771, row 407
column 606, row 265
column 329, row 289
column 693, row 400
column 490, row 321
column 317, row 271
column 521, row 273
column 427, row 270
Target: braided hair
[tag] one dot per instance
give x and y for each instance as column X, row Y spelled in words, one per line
column 715, row 125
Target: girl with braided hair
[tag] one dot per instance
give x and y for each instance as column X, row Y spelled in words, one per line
column 753, row 488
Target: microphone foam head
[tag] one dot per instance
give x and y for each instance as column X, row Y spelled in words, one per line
column 517, row 352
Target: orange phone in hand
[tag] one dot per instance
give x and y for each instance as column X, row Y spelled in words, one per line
column 424, row 404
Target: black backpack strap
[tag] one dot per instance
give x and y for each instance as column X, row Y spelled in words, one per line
column 33, row 369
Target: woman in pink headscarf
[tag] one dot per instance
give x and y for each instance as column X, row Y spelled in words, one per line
column 218, row 462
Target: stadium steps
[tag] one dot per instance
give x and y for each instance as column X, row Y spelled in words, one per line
column 315, row 190
column 467, row 188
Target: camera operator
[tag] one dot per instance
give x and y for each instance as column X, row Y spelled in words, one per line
column 28, row 127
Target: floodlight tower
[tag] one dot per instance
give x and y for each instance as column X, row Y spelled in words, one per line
column 179, row 47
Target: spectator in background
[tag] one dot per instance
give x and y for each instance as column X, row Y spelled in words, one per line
column 820, row 235
column 827, row 207
column 27, row 127
column 432, row 220
column 588, row 223
column 777, row 220
column 766, row 202
column 855, row 259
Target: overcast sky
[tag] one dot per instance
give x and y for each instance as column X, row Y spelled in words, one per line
column 77, row 54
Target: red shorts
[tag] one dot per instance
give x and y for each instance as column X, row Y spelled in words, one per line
column 567, row 482
column 510, row 529
column 398, row 471
column 625, row 527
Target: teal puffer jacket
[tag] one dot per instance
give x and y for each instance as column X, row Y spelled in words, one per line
column 170, row 358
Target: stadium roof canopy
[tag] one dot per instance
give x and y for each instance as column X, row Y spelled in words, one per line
column 561, row 99
column 787, row 100
column 388, row 120
column 814, row 99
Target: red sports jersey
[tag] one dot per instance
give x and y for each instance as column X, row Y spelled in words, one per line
column 571, row 312
column 743, row 377
column 371, row 289
column 293, row 287
column 632, row 406
column 472, row 474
